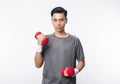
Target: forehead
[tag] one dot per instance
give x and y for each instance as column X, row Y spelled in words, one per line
column 58, row 15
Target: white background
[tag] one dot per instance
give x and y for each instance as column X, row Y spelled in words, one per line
column 95, row 22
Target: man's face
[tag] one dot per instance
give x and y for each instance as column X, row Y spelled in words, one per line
column 59, row 21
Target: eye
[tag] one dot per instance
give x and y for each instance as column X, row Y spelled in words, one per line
column 61, row 19
column 54, row 20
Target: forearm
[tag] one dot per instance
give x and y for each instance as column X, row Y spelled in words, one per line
column 42, row 40
column 80, row 65
column 38, row 59
column 70, row 71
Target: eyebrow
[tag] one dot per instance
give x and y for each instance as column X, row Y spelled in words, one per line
column 58, row 19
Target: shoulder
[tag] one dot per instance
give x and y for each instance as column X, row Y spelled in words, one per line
column 74, row 37
column 50, row 35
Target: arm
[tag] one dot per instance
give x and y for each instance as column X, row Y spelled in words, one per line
column 70, row 71
column 80, row 65
column 38, row 59
column 38, row 56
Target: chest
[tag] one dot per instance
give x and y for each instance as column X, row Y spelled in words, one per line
column 62, row 44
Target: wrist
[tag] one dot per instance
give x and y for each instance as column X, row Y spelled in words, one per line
column 39, row 48
column 76, row 71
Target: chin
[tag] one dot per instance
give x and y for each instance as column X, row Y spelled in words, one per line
column 59, row 31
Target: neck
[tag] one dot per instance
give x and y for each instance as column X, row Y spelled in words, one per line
column 61, row 34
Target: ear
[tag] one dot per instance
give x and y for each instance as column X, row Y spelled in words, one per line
column 66, row 20
column 51, row 19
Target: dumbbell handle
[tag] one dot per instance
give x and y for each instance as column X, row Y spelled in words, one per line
column 70, row 71
column 36, row 34
column 44, row 40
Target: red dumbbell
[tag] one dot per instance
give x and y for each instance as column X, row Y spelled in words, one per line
column 69, row 71
column 44, row 40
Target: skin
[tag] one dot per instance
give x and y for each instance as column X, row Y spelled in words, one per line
column 59, row 21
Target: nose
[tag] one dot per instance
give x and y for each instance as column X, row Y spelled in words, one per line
column 58, row 23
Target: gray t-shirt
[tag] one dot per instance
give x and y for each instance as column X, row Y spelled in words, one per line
column 60, row 53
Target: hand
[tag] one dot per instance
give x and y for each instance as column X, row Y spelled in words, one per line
column 42, row 39
column 68, row 72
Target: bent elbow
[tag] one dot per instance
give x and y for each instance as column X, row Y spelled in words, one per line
column 38, row 66
column 83, row 63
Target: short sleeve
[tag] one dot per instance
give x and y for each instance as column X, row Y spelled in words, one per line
column 79, row 50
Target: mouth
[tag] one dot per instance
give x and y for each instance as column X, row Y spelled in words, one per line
column 58, row 27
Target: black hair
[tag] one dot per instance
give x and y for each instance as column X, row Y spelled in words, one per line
column 59, row 10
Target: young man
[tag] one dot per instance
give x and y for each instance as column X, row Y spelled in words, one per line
column 59, row 55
